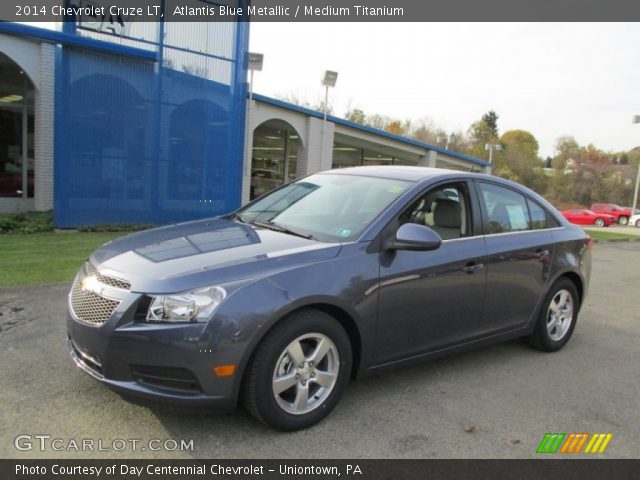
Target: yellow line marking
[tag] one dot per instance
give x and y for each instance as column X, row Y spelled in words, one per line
column 605, row 443
column 590, row 444
column 597, row 444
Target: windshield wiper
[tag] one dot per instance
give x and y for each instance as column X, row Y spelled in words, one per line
column 281, row 229
column 238, row 217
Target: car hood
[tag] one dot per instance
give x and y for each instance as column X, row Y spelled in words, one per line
column 206, row 252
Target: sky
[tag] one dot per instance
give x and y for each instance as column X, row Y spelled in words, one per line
column 552, row 79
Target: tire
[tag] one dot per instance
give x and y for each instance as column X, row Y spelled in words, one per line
column 623, row 220
column 638, row 223
column 552, row 332
column 284, row 360
column 599, row 222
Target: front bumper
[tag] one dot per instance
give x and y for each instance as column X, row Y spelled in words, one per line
column 137, row 389
column 169, row 363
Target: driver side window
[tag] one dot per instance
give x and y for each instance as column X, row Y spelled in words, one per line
column 444, row 209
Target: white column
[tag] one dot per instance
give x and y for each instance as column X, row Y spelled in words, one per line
column 248, row 150
column 429, row 160
column 44, row 130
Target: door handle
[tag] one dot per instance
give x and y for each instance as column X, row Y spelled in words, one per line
column 472, row 267
column 541, row 254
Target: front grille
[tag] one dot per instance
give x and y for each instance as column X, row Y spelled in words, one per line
column 89, row 307
column 107, row 279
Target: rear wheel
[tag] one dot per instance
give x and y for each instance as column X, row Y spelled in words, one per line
column 557, row 318
column 299, row 371
column 599, row 222
column 623, row 220
column 638, row 223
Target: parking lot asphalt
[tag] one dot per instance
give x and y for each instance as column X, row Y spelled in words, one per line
column 496, row 402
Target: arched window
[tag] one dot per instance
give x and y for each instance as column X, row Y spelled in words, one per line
column 16, row 130
column 274, row 158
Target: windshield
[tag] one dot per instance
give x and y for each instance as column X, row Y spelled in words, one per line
column 327, row 207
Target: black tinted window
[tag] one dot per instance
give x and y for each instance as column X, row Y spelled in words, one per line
column 507, row 210
column 538, row 215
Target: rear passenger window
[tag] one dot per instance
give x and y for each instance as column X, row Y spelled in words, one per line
column 538, row 215
column 507, row 210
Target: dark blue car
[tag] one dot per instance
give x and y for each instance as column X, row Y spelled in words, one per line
column 334, row 276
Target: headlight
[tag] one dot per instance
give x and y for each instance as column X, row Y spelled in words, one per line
column 195, row 306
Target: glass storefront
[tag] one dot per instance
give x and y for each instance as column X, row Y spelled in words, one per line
column 274, row 156
column 16, row 131
column 345, row 155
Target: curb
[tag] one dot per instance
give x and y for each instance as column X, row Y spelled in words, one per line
column 614, row 240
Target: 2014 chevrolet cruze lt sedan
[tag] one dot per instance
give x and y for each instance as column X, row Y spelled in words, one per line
column 335, row 276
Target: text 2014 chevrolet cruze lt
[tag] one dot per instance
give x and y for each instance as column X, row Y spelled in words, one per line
column 334, row 276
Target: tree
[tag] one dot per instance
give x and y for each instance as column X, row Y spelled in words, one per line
column 519, row 160
column 520, row 147
column 566, row 147
column 491, row 119
column 356, row 115
column 396, row 127
column 480, row 133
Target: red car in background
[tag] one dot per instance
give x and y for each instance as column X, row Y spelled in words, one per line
column 621, row 214
column 587, row 217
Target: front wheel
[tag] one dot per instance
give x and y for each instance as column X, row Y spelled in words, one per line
column 557, row 317
column 299, row 371
column 623, row 220
column 599, row 222
column 638, row 223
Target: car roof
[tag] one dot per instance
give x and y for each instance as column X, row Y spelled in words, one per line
column 396, row 172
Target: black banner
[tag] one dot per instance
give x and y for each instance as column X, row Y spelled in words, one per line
column 318, row 11
column 319, row 469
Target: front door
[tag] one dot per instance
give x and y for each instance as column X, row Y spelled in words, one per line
column 431, row 300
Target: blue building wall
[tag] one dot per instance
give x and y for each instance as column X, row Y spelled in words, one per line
column 151, row 141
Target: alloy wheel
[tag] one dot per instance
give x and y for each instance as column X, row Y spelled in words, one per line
column 305, row 373
column 560, row 315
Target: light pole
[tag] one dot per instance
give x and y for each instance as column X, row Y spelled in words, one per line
column 636, row 119
column 328, row 80
column 491, row 147
column 255, row 65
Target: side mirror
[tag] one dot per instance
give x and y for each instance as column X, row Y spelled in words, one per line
column 412, row 236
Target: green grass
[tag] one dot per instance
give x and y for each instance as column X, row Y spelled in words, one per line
column 604, row 235
column 29, row 259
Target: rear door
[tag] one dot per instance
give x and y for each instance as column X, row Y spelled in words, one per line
column 519, row 242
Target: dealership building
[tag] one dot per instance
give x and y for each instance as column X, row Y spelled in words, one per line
column 115, row 122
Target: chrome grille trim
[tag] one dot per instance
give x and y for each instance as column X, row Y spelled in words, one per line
column 90, row 308
column 108, row 280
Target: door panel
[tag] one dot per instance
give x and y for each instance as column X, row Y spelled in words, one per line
column 517, row 273
column 427, row 300
column 519, row 258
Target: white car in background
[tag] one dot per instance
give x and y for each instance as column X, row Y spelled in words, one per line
column 635, row 220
